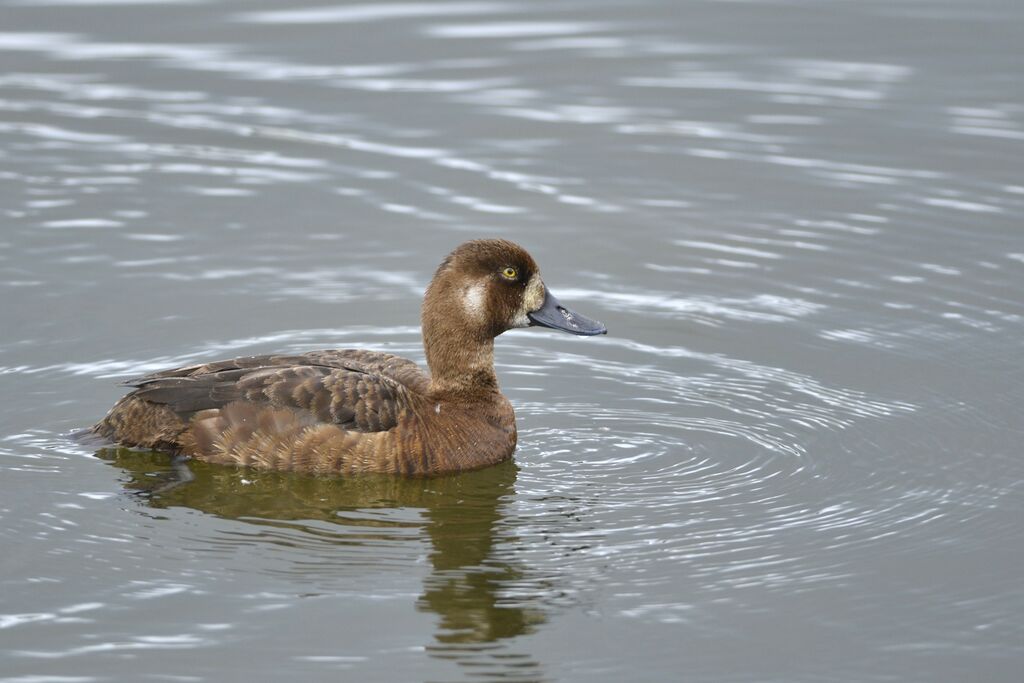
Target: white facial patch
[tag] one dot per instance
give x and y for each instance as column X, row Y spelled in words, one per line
column 533, row 299
column 473, row 300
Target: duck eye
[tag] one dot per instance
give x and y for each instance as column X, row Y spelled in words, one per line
column 510, row 273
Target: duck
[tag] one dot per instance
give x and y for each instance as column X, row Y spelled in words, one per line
column 353, row 411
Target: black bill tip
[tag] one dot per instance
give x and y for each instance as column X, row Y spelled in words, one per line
column 556, row 316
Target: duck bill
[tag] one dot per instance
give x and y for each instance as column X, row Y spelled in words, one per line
column 556, row 316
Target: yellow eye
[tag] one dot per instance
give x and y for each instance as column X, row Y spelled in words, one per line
column 510, row 273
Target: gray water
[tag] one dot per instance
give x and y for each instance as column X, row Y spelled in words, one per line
column 795, row 457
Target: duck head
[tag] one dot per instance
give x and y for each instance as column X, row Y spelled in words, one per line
column 481, row 289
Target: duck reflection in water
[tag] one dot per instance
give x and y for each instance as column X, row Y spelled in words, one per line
column 463, row 513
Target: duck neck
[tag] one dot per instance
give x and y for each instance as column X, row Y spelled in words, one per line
column 459, row 344
column 460, row 365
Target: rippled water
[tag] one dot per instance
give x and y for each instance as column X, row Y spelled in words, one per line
column 796, row 456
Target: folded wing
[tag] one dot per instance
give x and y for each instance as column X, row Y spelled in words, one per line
column 356, row 390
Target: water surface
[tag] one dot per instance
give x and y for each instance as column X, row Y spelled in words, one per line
column 795, row 457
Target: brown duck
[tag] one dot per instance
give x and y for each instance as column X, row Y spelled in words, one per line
column 348, row 411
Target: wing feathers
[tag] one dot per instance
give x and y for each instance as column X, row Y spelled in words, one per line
column 356, row 391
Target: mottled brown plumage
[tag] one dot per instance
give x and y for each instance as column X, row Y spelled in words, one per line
column 348, row 411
